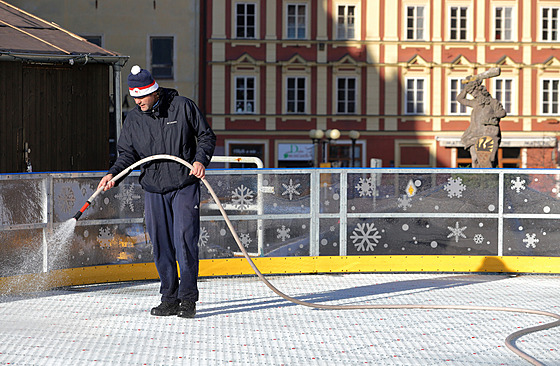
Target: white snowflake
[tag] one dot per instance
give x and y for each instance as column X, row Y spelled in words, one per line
column 242, row 197
column 531, row 240
column 365, row 236
column 456, row 232
column 203, row 237
column 66, row 199
column 291, row 189
column 518, row 184
column 454, row 187
column 283, row 233
column 126, row 196
column 404, row 202
column 245, row 239
column 105, row 237
column 478, row 238
column 365, row 187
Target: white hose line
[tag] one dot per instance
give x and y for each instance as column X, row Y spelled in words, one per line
column 510, row 340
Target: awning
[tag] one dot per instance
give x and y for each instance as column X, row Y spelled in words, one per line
column 543, row 141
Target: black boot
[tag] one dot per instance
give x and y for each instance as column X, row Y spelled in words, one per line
column 166, row 308
column 187, row 309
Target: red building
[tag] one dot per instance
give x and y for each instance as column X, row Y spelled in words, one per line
column 390, row 69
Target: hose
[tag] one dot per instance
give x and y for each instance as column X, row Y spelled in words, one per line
column 510, row 340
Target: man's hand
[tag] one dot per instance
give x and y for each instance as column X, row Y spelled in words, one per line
column 198, row 170
column 106, row 183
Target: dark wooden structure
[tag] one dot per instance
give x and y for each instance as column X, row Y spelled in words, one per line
column 55, row 97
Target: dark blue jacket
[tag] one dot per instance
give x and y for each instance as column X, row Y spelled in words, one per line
column 175, row 126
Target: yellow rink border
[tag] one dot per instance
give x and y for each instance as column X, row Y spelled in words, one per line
column 286, row 265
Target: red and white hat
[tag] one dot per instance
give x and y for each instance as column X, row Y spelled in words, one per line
column 141, row 82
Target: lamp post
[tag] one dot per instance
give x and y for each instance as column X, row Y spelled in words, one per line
column 354, row 135
column 316, row 136
column 333, row 134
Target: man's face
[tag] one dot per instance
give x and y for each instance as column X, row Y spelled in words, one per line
column 146, row 102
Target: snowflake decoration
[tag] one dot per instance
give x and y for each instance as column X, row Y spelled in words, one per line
column 531, row 240
column 242, row 197
column 291, row 189
column 478, row 239
column 454, row 187
column 126, row 196
column 518, row 184
column 66, row 199
column 105, row 237
column 203, row 237
column 365, row 187
column 365, row 237
column 456, row 232
column 245, row 239
column 283, row 233
column 404, row 202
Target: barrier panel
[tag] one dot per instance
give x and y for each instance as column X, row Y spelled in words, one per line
column 290, row 220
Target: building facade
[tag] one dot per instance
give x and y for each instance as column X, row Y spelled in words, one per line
column 159, row 35
column 388, row 69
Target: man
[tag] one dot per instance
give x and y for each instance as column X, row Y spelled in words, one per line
column 166, row 123
column 483, row 135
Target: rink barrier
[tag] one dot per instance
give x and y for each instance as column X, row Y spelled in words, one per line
column 295, row 221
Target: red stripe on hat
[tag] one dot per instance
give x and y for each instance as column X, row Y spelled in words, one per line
column 143, row 87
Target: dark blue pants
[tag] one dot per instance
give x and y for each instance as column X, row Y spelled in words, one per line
column 173, row 222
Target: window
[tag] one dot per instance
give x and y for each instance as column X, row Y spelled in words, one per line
column 246, row 149
column 504, row 92
column 295, row 98
column 550, row 24
column 414, row 96
column 550, row 90
column 415, row 22
column 455, row 87
column 162, row 57
column 458, row 25
column 346, row 22
column 508, row 157
column 341, row 153
column 245, row 20
column 503, row 23
column 244, row 94
column 296, row 21
column 346, row 95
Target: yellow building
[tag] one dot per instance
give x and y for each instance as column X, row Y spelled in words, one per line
column 159, row 35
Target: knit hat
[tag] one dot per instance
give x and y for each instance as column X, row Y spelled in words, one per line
column 141, row 82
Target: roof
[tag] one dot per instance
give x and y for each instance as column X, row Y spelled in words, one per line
column 26, row 36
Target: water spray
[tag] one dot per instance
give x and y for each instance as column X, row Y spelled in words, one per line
column 510, row 340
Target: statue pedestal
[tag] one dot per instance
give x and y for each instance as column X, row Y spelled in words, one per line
column 485, row 148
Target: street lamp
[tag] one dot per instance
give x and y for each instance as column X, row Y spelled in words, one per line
column 354, row 135
column 316, row 136
column 333, row 134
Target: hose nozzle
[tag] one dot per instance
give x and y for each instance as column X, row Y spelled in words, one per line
column 79, row 213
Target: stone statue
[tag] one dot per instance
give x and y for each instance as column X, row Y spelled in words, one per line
column 483, row 135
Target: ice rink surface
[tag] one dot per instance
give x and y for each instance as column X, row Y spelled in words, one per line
column 240, row 321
